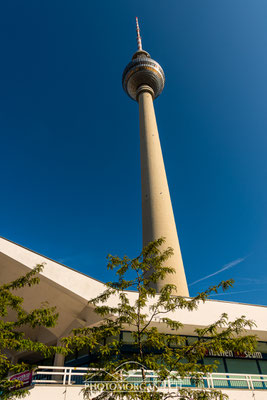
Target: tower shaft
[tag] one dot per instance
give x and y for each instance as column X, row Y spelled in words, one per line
column 157, row 213
column 143, row 80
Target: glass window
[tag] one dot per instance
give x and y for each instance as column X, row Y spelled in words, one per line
column 83, row 352
column 242, row 366
column 191, row 340
column 70, row 357
column 210, row 361
column 111, row 339
column 249, row 367
column 263, row 366
column 181, row 341
column 262, row 347
column 127, row 337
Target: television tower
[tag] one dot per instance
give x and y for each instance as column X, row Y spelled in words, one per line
column 143, row 80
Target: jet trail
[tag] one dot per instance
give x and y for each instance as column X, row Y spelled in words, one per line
column 224, row 268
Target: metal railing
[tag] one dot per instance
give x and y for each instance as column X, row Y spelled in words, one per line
column 77, row 376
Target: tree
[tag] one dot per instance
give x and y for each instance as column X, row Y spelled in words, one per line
column 12, row 337
column 152, row 349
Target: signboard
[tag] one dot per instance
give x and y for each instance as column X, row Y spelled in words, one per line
column 230, row 353
column 25, row 377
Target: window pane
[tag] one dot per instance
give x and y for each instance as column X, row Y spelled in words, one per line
column 263, row 365
column 83, row 352
column 127, row 337
column 70, row 357
column 262, row 347
column 210, row 361
column 111, row 339
column 191, row 340
column 242, row 366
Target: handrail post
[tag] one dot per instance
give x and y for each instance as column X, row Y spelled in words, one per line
column 69, row 378
column 248, row 381
column 212, row 382
column 64, row 376
column 251, row 382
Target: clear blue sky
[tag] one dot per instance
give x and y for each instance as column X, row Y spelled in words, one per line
column 70, row 173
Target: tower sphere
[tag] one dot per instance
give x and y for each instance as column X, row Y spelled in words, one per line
column 142, row 70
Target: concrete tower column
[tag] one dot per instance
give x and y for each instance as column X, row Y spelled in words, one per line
column 157, row 213
column 143, row 80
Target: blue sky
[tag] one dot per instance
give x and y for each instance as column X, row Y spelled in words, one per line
column 70, row 173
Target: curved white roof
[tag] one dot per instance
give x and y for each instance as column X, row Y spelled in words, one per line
column 70, row 291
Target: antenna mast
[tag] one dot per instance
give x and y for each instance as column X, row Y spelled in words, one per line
column 138, row 38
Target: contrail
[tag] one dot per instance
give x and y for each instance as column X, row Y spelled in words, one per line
column 225, row 267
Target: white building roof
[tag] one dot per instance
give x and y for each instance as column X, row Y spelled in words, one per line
column 70, row 291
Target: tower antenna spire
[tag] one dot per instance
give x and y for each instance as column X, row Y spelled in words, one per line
column 138, row 38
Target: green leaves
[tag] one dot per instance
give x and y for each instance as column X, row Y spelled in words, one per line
column 14, row 320
column 157, row 347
